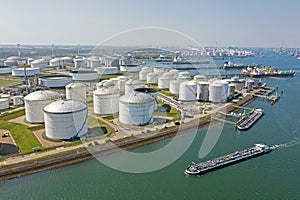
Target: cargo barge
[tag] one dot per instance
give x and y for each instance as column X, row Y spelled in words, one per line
column 223, row 161
column 247, row 122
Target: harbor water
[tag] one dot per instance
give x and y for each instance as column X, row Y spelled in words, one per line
column 272, row 176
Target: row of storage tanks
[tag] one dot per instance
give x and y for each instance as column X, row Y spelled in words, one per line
column 180, row 83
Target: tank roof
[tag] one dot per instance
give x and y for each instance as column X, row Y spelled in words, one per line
column 42, row 95
column 65, row 106
column 106, row 91
column 137, row 98
column 75, row 85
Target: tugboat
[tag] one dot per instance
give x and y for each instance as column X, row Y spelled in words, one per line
column 223, row 161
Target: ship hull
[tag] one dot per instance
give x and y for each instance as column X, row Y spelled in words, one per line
column 225, row 165
column 224, row 161
column 272, row 75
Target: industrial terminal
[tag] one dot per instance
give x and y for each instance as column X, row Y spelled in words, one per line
column 63, row 104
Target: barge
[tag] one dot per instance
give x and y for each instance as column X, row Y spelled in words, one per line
column 223, row 161
column 247, row 122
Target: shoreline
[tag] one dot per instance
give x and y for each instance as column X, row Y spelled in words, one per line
column 77, row 156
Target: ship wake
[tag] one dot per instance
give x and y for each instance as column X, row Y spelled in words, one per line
column 294, row 142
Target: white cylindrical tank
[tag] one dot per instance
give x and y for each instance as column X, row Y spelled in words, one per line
column 84, row 75
column 39, row 64
column 35, row 102
column 239, row 85
column 67, row 59
column 94, row 62
column 136, row 109
column 80, row 62
column 55, row 62
column 121, row 83
column 143, row 75
column 147, row 69
column 29, row 60
column 106, row 70
column 131, row 85
column 174, row 73
column 184, row 76
column 174, row 87
column 18, row 100
column 106, row 100
column 224, row 89
column 249, row 84
column 76, row 91
column 159, row 71
column 231, row 88
column 199, row 78
column 152, row 78
column 130, row 68
column 215, row 92
column 55, row 81
column 202, row 91
column 218, row 92
column 187, row 91
column 163, row 83
column 5, row 69
column 20, row 72
column 105, row 83
column 10, row 63
column 65, row 119
column 4, row 103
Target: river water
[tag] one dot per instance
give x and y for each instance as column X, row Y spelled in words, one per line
column 272, row 176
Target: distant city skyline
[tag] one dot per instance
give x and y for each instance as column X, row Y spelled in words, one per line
column 241, row 23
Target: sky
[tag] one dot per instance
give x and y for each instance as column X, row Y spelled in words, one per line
column 243, row 23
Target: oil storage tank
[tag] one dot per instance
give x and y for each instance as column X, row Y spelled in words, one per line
column 76, row 91
column 106, row 100
column 121, row 83
column 40, row 63
column 65, row 119
column 55, row 62
column 5, row 69
column 106, row 70
column 187, row 91
column 202, row 91
column 231, row 89
column 18, row 100
column 152, row 78
column 84, row 75
column 184, row 76
column 136, row 109
column 132, row 84
column 4, row 103
column 249, row 84
column 164, row 82
column 218, row 92
column 20, row 72
column 35, row 102
column 174, row 87
column 80, row 62
column 55, row 81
